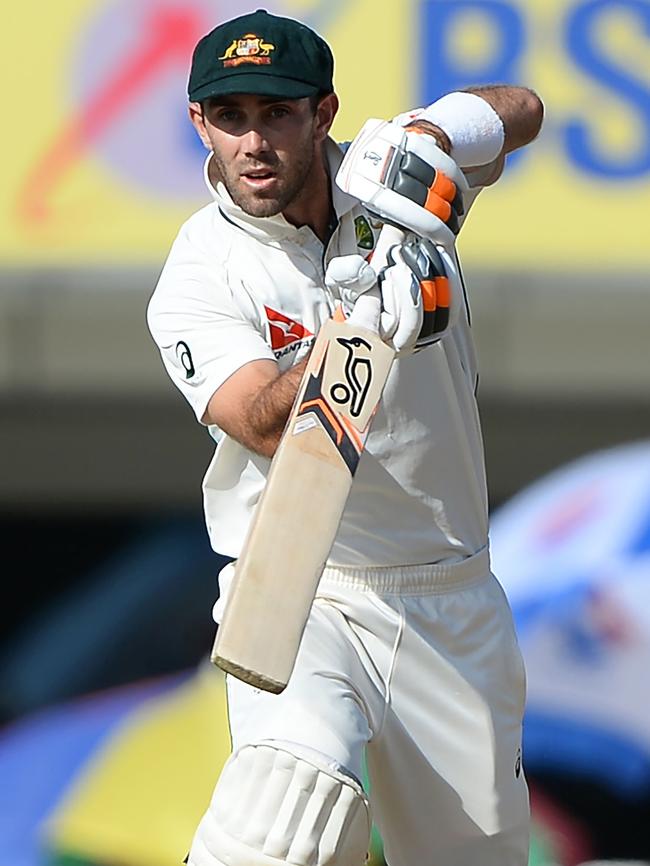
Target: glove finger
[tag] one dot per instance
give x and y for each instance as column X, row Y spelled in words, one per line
column 352, row 271
column 443, row 304
column 403, row 211
column 425, row 146
column 389, row 309
column 404, row 300
column 426, row 263
column 433, row 191
column 408, row 326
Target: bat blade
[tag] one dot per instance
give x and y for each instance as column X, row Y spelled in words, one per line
column 299, row 512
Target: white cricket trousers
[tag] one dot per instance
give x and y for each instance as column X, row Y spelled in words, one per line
column 420, row 667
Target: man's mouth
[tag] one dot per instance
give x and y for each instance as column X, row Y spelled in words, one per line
column 259, row 177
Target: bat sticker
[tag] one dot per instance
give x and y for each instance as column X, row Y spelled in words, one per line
column 358, row 376
column 314, row 404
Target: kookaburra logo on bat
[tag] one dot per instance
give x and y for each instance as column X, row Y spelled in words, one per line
column 358, row 375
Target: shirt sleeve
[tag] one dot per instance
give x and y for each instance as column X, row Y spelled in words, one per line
column 201, row 332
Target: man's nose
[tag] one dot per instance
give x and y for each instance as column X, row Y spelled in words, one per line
column 255, row 141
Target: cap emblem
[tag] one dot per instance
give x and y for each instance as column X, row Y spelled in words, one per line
column 249, row 49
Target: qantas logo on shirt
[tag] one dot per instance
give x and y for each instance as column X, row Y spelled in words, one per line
column 286, row 333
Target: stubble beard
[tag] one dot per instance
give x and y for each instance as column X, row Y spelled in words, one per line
column 291, row 182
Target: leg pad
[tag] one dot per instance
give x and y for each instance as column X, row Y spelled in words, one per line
column 273, row 806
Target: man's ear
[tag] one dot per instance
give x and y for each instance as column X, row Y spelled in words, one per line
column 325, row 114
column 195, row 112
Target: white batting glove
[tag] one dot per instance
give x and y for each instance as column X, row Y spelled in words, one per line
column 406, row 179
column 354, row 283
column 408, row 305
column 349, row 277
column 416, row 297
column 402, row 312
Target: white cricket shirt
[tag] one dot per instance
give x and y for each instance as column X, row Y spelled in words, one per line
column 237, row 288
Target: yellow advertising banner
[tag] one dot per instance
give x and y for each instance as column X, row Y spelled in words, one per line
column 100, row 164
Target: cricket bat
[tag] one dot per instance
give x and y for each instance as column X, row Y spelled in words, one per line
column 298, row 515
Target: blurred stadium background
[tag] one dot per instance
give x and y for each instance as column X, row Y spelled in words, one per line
column 113, row 727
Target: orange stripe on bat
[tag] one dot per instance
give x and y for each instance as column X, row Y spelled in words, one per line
column 330, row 416
column 352, row 433
column 443, row 292
column 339, row 315
column 429, row 292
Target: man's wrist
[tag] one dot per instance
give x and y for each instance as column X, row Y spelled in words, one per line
column 440, row 136
column 472, row 127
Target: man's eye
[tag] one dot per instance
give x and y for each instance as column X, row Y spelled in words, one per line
column 228, row 115
column 279, row 111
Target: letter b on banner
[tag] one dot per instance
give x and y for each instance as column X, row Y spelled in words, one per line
column 443, row 64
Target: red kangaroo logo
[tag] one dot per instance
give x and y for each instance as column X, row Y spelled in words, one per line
column 284, row 330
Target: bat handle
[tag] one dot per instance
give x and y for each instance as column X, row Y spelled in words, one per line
column 367, row 310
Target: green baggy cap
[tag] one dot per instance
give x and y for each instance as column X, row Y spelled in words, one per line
column 262, row 54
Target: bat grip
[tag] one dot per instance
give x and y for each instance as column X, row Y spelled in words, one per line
column 367, row 309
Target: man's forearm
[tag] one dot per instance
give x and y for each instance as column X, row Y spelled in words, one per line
column 520, row 109
column 520, row 114
column 266, row 415
column 515, row 116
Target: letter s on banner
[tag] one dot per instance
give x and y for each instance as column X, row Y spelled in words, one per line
column 584, row 147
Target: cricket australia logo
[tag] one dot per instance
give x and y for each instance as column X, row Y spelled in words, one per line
column 357, row 374
column 363, row 233
column 249, row 49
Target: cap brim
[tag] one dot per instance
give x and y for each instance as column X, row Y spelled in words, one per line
column 260, row 85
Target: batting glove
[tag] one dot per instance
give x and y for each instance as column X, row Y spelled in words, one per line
column 410, row 301
column 349, row 277
column 406, row 179
column 416, row 297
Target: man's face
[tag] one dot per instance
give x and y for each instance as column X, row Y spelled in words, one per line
column 264, row 148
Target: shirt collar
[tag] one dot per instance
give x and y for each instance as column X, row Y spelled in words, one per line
column 277, row 228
